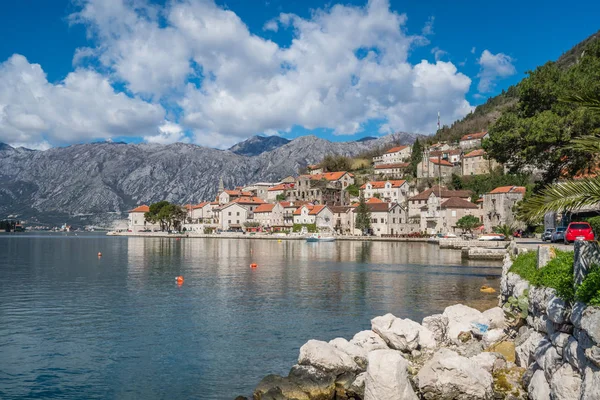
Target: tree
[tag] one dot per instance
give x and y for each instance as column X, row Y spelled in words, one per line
column 363, row 214
column 165, row 214
column 280, row 197
column 332, row 163
column 353, row 190
column 468, row 223
column 504, row 229
column 416, row 157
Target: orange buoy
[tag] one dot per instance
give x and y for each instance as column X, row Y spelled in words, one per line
column 253, row 265
column 99, row 254
column 179, row 280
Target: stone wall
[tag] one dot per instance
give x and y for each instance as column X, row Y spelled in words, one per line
column 458, row 244
column 558, row 346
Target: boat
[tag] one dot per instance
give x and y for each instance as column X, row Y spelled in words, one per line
column 317, row 237
column 492, row 237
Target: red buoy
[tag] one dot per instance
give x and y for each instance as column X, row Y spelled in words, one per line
column 179, row 280
column 253, row 265
column 99, row 254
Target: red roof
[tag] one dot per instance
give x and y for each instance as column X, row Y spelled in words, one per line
column 314, row 166
column 456, row 202
column 214, row 203
column 509, row 189
column 316, row 209
column 396, row 165
column 441, row 162
column 263, row 208
column 237, row 193
column 200, row 205
column 396, row 149
column 248, row 200
column 471, row 136
column 475, row 153
column 143, row 208
column 374, row 200
column 381, row 184
column 281, row 186
column 330, row 176
column 292, row 204
column 298, row 210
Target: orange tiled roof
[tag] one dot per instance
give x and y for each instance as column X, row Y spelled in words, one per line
column 263, row 208
column 313, row 166
column 443, row 192
column 330, row 176
column 396, row 149
column 475, row 153
column 374, row 200
column 298, row 210
column 381, row 184
column 143, row 208
column 238, row 193
column 396, row 165
column 281, row 186
column 248, row 200
column 457, row 202
column 444, row 163
column 316, row 209
column 200, row 205
column 508, row 189
column 214, row 203
column 471, row 136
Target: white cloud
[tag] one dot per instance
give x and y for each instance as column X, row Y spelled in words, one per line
column 271, row 26
column 438, row 53
column 428, row 28
column 168, row 132
column 473, row 50
column 82, row 107
column 493, row 66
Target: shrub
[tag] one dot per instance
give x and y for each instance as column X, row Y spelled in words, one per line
column 589, row 290
column 525, row 265
column 595, row 224
column 558, row 274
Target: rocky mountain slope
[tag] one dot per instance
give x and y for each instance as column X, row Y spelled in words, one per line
column 258, row 144
column 96, row 182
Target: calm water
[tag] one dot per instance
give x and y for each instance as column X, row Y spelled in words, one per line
column 76, row 326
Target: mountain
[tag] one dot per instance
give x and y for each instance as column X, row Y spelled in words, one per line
column 258, row 144
column 486, row 114
column 366, row 139
column 98, row 182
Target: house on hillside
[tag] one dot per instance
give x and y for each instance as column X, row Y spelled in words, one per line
column 391, row 191
column 320, row 215
column 472, row 140
column 435, row 167
column 453, row 156
column 477, row 162
column 498, row 206
column 314, row 169
column 278, row 191
column 396, row 170
column 432, row 198
column 237, row 212
column 259, row 189
column 229, row 195
column 394, row 155
column 328, row 188
column 136, row 221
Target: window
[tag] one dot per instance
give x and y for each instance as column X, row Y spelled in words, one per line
column 230, row 213
column 238, row 213
column 238, row 221
column 381, row 220
column 454, row 213
column 393, row 220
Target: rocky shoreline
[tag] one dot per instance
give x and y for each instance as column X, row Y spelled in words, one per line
column 501, row 353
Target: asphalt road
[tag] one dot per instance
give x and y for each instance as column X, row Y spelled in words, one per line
column 533, row 243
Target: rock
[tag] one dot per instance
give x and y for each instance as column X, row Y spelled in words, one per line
column 317, row 384
column 508, row 383
column 538, row 388
column 528, row 374
column 583, row 338
column 486, row 360
column 577, row 313
column 369, row 341
column 469, row 349
column 506, row 349
column 559, row 340
column 438, row 325
column 387, row 377
column 545, row 254
column 495, row 318
column 460, row 318
column 590, row 390
column 557, row 310
column 574, row 354
column 464, row 337
column 590, row 323
column 593, row 354
column 358, row 386
column 358, row 354
column 241, row 398
column 275, row 387
column 402, row 334
column 326, row 357
column 538, row 299
column 547, row 358
column 525, row 351
column 565, row 383
column 450, row 376
column 493, row 336
column 520, row 288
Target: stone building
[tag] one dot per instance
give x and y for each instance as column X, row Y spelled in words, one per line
column 390, row 191
column 477, row 162
column 435, row 167
column 397, row 170
column 498, row 206
column 136, row 221
column 394, row 155
column 472, row 140
column 322, row 189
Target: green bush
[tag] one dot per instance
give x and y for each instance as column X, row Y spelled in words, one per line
column 589, row 290
column 595, row 224
column 311, row 228
column 525, row 265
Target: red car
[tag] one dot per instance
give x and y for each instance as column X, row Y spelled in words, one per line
column 578, row 231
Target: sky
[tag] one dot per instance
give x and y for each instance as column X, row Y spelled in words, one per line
column 215, row 72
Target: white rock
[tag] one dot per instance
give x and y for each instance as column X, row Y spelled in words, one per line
column 539, row 389
column 590, row 323
column 326, row 357
column 574, row 354
column 577, row 313
column 547, row 358
column 520, row 288
column 495, row 318
column 450, row 376
column 369, row 341
column 590, row 390
column 402, row 334
column 565, row 383
column 538, row 299
column 486, row 360
column 524, row 352
column 492, row 336
column 358, row 354
column 557, row 310
column 559, row 340
column 358, row 386
column 460, row 318
column 387, row 377
column 438, row 325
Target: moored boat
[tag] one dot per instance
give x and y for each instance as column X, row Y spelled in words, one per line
column 317, row 237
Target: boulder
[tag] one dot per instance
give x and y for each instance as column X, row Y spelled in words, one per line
column 559, row 340
column 486, row 360
column 528, row 374
column 557, row 309
column 495, row 318
column 590, row 390
column 593, row 355
column 538, row 299
column 358, row 385
column 326, row 357
column 520, row 288
column 438, row 325
column 574, row 354
column 590, row 323
column 538, row 388
column 402, row 334
column 460, row 318
column 450, row 376
column 524, row 352
column 369, row 341
column 317, row 384
column 565, row 384
column 577, row 313
column 358, row 354
column 493, row 336
column 547, row 358
column 275, row 387
column 506, row 349
column 387, row 377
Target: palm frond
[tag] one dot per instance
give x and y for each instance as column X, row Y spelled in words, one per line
column 588, row 144
column 563, row 196
column 590, row 101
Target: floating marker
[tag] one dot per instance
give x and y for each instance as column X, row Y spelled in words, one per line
column 179, row 280
column 253, row 265
column 99, row 254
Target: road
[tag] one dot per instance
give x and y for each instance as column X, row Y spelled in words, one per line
column 534, row 243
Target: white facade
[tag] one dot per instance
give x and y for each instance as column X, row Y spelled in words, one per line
column 137, row 223
column 390, row 191
column 233, row 215
column 394, row 155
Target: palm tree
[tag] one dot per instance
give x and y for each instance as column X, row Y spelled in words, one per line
column 569, row 194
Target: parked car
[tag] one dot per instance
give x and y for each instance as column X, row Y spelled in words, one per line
column 547, row 235
column 558, row 235
column 578, row 231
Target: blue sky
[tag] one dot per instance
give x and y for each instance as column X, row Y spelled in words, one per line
column 215, row 73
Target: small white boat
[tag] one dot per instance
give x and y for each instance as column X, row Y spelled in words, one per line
column 492, row 237
column 317, row 237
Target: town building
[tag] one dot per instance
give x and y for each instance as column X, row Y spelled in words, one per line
column 472, row 140
column 435, row 167
column 226, row 196
column 343, row 219
column 259, row 189
column 394, row 155
column 390, row 191
column 328, row 188
column 270, row 216
column 498, row 206
column 279, row 191
column 137, row 222
column 396, row 170
column 432, row 198
column 237, row 212
column 320, row 215
column 387, row 219
column 314, row 169
column 477, row 162
column 439, row 147
column 453, row 156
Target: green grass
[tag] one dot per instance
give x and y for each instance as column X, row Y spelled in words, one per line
column 589, row 290
column 525, row 265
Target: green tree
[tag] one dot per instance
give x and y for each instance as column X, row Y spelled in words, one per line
column 280, row 197
column 504, row 229
column 333, row 163
column 468, row 223
column 165, row 214
column 353, row 190
column 416, row 157
column 363, row 214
